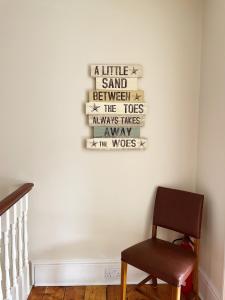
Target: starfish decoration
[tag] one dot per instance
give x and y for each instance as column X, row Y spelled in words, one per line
column 137, row 97
column 94, row 108
column 94, row 143
column 142, row 143
column 134, row 71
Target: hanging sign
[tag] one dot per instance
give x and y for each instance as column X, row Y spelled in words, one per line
column 116, row 71
column 117, row 121
column 121, row 132
column 107, row 95
column 116, row 143
column 95, row 108
column 116, row 83
column 116, row 108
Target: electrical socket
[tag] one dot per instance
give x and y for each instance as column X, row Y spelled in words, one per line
column 112, row 273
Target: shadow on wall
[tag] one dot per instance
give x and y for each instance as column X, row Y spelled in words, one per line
column 69, row 250
column 149, row 216
column 80, row 243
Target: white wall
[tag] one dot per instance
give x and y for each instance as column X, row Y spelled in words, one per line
column 211, row 158
column 93, row 204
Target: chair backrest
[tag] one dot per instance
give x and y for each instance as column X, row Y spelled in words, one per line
column 179, row 211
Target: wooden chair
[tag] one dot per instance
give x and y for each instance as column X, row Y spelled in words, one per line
column 175, row 210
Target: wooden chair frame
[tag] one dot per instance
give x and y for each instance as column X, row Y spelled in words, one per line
column 176, row 290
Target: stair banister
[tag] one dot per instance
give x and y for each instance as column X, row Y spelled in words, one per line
column 14, row 267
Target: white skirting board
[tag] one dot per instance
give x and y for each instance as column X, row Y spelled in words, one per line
column 99, row 272
column 207, row 289
column 81, row 272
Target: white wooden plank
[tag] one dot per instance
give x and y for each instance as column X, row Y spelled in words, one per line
column 107, row 95
column 116, row 143
column 116, row 70
column 116, row 83
column 116, row 121
column 96, row 108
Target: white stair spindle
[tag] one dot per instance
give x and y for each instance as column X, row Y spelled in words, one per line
column 25, row 238
column 6, row 259
column 1, row 295
column 13, row 221
column 14, row 265
column 20, row 250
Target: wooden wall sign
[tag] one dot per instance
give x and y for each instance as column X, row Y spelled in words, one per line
column 117, row 121
column 116, row 83
column 96, row 108
column 116, row 109
column 116, row 71
column 121, row 132
column 116, row 144
column 107, row 95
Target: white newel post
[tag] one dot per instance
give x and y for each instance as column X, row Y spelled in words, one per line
column 20, row 250
column 1, row 294
column 25, row 239
column 13, row 222
column 6, row 258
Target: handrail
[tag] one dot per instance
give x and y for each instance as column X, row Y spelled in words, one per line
column 15, row 196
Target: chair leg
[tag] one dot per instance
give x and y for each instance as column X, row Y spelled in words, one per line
column 195, row 275
column 154, row 282
column 123, row 280
column 176, row 292
column 195, row 284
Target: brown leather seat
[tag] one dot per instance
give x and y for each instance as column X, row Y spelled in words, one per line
column 163, row 260
column 176, row 210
